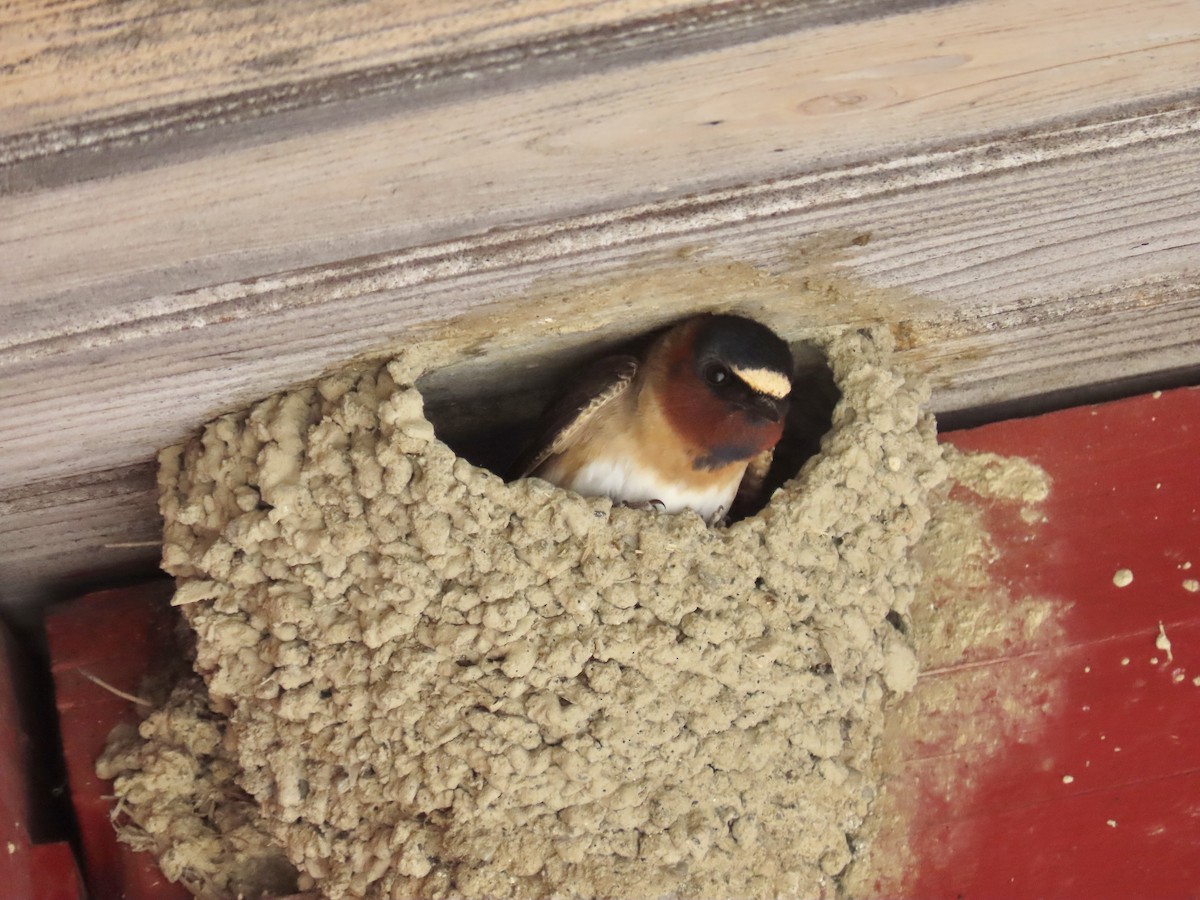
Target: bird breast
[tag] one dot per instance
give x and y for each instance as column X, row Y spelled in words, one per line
column 624, row 480
column 630, row 452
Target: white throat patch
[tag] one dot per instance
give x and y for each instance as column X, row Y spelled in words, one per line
column 765, row 381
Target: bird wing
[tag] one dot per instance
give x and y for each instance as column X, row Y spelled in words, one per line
column 561, row 424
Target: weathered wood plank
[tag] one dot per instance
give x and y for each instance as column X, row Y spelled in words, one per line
column 65, row 64
column 58, row 537
column 355, row 183
column 192, row 69
column 1036, row 323
column 1027, row 267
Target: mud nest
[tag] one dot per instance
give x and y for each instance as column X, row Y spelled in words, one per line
column 438, row 684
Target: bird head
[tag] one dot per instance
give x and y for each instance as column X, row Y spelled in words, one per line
column 724, row 382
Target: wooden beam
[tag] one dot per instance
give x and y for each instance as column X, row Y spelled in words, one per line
column 93, row 73
column 318, row 186
column 1037, row 236
column 79, row 67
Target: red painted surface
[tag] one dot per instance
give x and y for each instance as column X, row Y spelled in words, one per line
column 119, row 637
column 56, row 874
column 15, row 859
column 27, row 870
column 1125, row 495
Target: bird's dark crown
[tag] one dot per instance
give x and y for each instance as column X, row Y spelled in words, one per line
column 741, row 343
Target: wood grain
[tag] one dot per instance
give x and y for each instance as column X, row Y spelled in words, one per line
column 91, row 74
column 1115, row 240
column 88, row 61
column 263, row 202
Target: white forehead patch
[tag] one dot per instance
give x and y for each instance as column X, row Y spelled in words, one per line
column 765, row 381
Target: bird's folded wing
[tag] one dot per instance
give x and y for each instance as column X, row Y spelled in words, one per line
column 599, row 385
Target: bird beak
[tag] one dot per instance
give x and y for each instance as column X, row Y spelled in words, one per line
column 767, row 407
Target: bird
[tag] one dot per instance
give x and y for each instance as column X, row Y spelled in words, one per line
column 691, row 424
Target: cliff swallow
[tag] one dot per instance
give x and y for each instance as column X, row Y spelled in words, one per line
column 683, row 428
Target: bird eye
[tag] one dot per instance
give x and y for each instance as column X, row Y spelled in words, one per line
column 715, row 373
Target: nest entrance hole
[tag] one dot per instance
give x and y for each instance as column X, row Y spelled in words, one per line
column 486, row 408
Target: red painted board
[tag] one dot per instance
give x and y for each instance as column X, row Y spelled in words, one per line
column 56, row 874
column 1104, row 801
column 119, row 637
column 27, row 870
column 16, row 868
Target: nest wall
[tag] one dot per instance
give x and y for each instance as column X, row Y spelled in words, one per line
column 440, row 684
